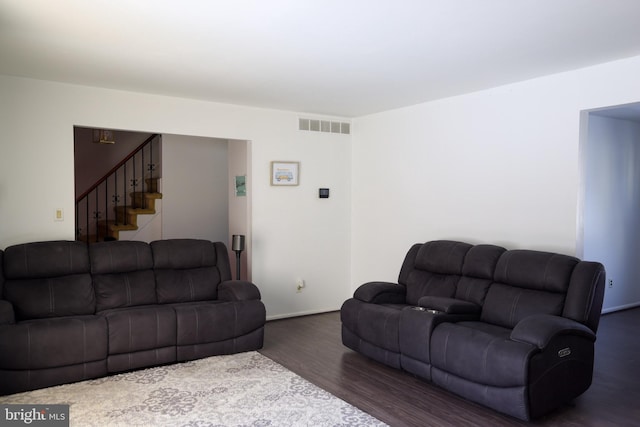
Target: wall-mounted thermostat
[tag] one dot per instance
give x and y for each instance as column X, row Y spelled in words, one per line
column 323, row 193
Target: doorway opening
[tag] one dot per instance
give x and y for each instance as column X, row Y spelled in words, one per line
column 197, row 178
column 609, row 203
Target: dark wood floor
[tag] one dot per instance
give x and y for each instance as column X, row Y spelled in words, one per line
column 311, row 347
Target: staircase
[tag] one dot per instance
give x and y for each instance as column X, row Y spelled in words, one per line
column 126, row 218
column 114, row 202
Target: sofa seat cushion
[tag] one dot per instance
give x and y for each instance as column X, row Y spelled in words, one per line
column 214, row 321
column 417, row 324
column 140, row 328
column 49, row 343
column 481, row 353
column 377, row 324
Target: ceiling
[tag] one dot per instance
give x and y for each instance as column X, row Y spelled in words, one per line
column 333, row 57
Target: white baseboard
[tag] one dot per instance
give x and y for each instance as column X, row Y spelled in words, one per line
column 620, row 307
column 301, row 313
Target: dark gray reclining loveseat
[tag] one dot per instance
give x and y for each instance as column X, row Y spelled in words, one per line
column 513, row 330
column 71, row 311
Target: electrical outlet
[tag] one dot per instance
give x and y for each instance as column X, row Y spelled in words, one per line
column 611, row 283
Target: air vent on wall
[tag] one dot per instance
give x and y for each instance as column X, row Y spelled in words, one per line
column 328, row 126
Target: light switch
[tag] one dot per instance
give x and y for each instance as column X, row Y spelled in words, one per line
column 59, row 216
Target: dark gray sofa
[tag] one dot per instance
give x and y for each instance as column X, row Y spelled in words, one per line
column 513, row 330
column 71, row 311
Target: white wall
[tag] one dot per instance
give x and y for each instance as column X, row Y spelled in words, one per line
column 612, row 206
column 303, row 236
column 498, row 166
column 294, row 234
column 239, row 206
column 194, row 188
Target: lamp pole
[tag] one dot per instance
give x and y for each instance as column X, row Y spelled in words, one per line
column 237, row 245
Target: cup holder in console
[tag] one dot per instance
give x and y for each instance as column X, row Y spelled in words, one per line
column 428, row 310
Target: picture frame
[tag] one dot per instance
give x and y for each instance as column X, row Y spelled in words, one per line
column 241, row 186
column 285, row 173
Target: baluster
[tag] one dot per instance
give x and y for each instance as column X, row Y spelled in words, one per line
column 133, row 183
column 144, row 184
column 116, row 199
column 96, row 212
column 77, row 221
column 106, row 208
column 87, row 226
column 124, row 186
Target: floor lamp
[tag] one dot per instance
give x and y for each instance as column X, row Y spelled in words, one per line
column 237, row 245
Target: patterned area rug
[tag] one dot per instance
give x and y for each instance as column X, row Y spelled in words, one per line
column 244, row 389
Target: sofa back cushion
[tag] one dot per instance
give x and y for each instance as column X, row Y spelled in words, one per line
column 477, row 273
column 48, row 279
column 122, row 274
column 433, row 269
column 189, row 269
column 527, row 282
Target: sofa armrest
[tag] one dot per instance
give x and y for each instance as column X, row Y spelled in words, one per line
column 540, row 329
column 449, row 305
column 381, row 293
column 238, row 290
column 7, row 315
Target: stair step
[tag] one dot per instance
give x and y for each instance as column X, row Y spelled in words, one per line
column 146, row 194
column 144, row 200
column 134, row 211
column 152, row 184
column 131, row 213
column 122, row 227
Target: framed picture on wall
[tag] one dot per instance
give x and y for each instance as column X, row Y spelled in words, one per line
column 241, row 186
column 285, row 173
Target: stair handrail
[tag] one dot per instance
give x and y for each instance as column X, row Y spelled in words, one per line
column 116, row 167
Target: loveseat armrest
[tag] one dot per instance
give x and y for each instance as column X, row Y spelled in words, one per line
column 449, row 305
column 238, row 290
column 7, row 315
column 540, row 329
column 381, row 293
